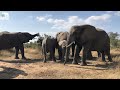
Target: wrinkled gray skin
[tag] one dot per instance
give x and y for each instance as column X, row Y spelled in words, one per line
column 49, row 45
column 61, row 44
column 9, row 40
column 90, row 39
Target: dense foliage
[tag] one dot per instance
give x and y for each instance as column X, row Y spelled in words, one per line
column 114, row 40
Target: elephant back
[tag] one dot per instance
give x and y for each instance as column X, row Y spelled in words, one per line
column 103, row 36
column 83, row 33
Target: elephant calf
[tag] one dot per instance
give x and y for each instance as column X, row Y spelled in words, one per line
column 49, row 45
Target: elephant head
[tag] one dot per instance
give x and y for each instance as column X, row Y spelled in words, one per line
column 61, row 36
column 25, row 37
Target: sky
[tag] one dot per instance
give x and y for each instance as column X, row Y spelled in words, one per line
column 51, row 22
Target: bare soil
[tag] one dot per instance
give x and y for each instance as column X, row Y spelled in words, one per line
column 34, row 68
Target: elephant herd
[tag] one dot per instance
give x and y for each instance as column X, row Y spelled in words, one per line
column 83, row 37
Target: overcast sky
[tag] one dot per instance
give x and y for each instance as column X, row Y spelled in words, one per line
column 51, row 22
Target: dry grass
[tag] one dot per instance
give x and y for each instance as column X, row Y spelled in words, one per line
column 34, row 68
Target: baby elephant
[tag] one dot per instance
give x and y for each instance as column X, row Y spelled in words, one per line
column 62, row 46
column 49, row 45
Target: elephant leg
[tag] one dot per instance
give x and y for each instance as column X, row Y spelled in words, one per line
column 45, row 53
column 63, row 53
column 60, row 52
column 109, row 56
column 84, row 56
column 76, row 56
column 99, row 54
column 50, row 56
column 89, row 55
column 67, row 55
column 16, row 52
column 73, row 49
column 53, row 55
column 54, row 59
column 21, row 47
column 103, row 56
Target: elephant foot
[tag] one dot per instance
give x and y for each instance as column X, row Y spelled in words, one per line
column 103, row 61
column 59, row 58
column 89, row 58
column 16, row 57
column 110, row 60
column 44, row 61
column 24, row 58
column 72, row 55
column 54, row 60
column 61, row 61
column 74, row 62
column 83, row 64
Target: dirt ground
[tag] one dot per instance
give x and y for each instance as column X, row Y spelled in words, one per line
column 34, row 68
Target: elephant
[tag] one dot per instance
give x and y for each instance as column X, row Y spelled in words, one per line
column 49, row 45
column 90, row 39
column 61, row 44
column 16, row 39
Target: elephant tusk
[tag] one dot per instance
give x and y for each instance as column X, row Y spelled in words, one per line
column 71, row 44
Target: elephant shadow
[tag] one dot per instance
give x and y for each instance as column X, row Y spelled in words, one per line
column 114, row 64
column 115, row 55
column 93, row 59
column 89, row 67
column 108, row 65
column 23, row 61
column 10, row 73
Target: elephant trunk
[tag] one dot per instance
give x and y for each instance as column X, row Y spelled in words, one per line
column 34, row 35
column 67, row 54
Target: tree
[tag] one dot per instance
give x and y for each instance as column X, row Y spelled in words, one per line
column 114, row 39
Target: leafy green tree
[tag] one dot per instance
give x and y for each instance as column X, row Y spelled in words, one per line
column 114, row 39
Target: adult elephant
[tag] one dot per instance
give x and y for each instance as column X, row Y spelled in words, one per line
column 49, row 45
column 61, row 44
column 90, row 39
column 9, row 40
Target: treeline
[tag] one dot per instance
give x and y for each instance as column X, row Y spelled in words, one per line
column 114, row 41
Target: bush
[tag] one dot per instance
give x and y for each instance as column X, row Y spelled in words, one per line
column 114, row 40
column 33, row 45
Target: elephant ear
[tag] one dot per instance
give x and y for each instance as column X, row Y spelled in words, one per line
column 22, row 38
